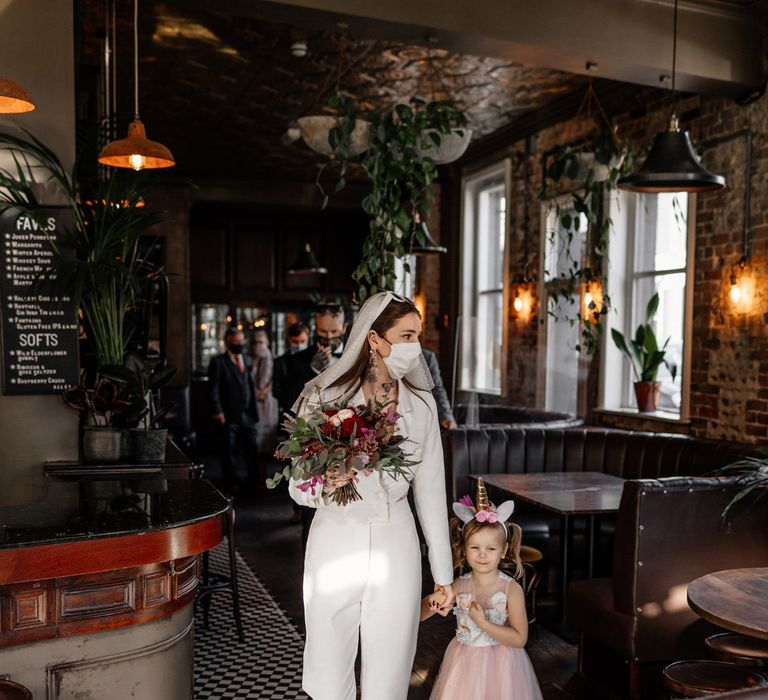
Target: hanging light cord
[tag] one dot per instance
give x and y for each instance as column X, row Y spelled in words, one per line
column 674, row 49
column 136, row 57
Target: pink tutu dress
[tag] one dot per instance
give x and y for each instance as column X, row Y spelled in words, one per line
column 476, row 666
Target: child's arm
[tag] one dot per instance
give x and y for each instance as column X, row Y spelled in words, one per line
column 515, row 632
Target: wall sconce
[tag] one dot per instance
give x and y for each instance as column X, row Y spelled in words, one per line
column 592, row 300
column 522, row 301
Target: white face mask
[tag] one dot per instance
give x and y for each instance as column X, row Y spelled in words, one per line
column 298, row 347
column 403, row 359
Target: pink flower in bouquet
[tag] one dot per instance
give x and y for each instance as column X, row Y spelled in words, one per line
column 310, row 484
column 343, row 415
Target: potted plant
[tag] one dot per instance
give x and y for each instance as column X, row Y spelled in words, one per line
column 106, row 409
column 401, row 165
column 752, row 482
column 147, row 440
column 98, row 262
column 645, row 358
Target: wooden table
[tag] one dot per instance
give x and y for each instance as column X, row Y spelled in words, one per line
column 736, row 599
column 568, row 494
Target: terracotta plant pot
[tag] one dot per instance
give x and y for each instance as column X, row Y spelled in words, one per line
column 647, row 394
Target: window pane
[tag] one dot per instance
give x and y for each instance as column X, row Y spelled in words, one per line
column 563, row 246
column 669, row 323
column 562, row 374
column 660, row 238
column 490, row 234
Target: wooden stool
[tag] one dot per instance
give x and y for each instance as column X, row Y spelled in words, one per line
column 14, row 691
column 696, row 679
column 738, row 649
column 213, row 582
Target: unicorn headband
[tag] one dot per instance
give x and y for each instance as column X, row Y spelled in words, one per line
column 484, row 511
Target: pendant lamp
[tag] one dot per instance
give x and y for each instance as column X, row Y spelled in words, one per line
column 136, row 151
column 306, row 263
column 14, row 98
column 429, row 245
column 672, row 164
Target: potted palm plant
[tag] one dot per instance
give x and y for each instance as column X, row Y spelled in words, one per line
column 146, row 440
column 645, row 357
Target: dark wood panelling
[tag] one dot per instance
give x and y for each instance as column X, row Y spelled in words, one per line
column 156, row 589
column 184, row 577
column 28, row 609
column 208, row 249
column 254, row 260
column 97, row 600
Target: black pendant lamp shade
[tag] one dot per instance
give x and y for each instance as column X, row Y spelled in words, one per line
column 306, row 264
column 429, row 245
column 672, row 166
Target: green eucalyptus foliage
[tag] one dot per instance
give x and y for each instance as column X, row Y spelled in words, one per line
column 98, row 262
column 399, row 175
column 643, row 350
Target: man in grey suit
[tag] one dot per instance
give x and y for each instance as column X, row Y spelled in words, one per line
column 444, row 413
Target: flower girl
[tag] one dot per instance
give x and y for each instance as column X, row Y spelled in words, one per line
column 486, row 658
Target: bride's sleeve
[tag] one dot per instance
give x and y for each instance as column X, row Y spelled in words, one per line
column 430, row 498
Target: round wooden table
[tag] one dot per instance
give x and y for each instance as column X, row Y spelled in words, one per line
column 736, row 599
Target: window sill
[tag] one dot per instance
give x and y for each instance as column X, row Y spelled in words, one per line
column 631, row 419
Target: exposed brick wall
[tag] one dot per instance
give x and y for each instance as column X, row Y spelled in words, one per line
column 729, row 367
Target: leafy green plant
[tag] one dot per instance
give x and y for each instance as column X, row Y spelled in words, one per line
column 643, row 350
column 752, row 482
column 400, row 175
column 142, row 380
column 98, row 263
column 585, row 181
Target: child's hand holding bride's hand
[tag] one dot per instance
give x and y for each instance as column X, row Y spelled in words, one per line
column 476, row 613
column 445, row 606
column 436, row 600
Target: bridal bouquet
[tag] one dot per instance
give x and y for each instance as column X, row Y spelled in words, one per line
column 350, row 439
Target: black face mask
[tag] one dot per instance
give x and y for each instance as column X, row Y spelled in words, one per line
column 332, row 343
column 236, row 348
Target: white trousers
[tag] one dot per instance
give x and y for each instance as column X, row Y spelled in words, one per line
column 361, row 580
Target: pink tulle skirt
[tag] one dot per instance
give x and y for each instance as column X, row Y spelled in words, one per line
column 485, row 673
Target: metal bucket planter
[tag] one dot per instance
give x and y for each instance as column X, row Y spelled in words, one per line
column 147, row 445
column 102, row 444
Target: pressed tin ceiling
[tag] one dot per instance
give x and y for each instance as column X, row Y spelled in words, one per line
column 220, row 89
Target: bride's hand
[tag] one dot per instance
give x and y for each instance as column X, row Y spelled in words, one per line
column 334, row 479
column 449, row 597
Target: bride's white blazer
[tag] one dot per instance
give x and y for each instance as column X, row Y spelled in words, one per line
column 382, row 494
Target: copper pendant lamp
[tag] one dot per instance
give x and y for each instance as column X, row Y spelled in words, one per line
column 136, row 151
column 14, row 98
column 672, row 164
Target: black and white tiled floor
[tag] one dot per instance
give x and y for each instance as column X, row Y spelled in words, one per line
column 268, row 665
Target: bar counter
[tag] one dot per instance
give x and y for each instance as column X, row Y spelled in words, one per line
column 97, row 582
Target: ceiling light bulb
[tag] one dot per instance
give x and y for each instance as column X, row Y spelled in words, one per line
column 518, row 304
column 588, row 300
column 137, row 161
column 299, row 48
column 735, row 292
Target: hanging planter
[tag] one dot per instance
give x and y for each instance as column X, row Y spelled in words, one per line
column 444, row 148
column 315, row 131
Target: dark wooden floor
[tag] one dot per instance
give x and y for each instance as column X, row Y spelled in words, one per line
column 272, row 547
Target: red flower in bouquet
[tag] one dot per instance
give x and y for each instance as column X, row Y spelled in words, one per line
column 343, row 440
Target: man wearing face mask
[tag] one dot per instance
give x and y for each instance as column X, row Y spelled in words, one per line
column 233, row 399
column 293, row 371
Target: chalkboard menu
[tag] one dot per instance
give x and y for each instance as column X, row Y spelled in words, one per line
column 39, row 330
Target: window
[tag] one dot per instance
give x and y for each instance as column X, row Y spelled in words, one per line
column 484, row 306
column 560, row 386
column 652, row 238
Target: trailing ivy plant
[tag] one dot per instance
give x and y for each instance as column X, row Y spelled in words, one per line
column 400, row 175
column 586, row 182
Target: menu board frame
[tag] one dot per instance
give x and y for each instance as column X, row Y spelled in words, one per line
column 39, row 332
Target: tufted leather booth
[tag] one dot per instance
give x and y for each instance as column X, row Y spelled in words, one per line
column 668, row 532
column 630, row 455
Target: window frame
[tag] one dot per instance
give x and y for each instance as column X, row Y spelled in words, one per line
column 471, row 184
column 622, row 248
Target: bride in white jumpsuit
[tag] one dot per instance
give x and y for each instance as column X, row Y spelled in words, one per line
column 362, row 570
